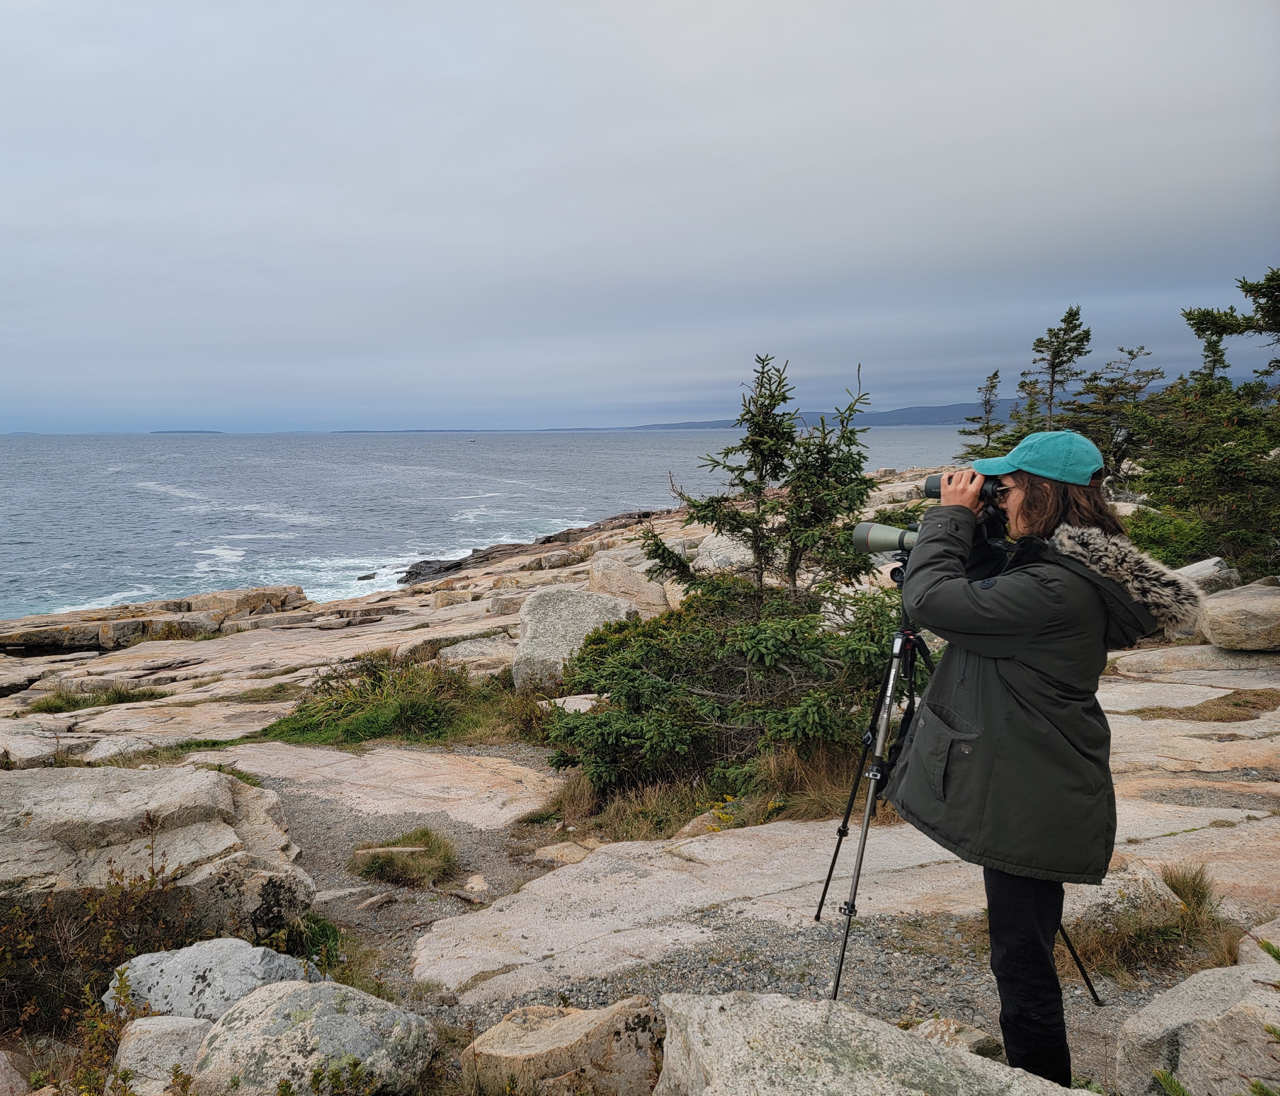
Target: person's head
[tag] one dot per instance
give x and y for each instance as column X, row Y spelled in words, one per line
column 1051, row 478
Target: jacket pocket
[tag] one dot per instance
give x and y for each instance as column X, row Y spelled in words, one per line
column 946, row 749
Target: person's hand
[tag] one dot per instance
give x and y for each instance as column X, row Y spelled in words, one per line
column 961, row 489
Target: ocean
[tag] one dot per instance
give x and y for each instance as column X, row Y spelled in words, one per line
column 88, row 521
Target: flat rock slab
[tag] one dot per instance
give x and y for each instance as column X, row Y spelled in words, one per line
column 1118, row 695
column 1204, row 665
column 744, row 1044
column 1188, row 746
column 485, row 792
column 624, row 904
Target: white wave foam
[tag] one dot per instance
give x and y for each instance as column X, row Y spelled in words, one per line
column 138, row 593
column 169, row 489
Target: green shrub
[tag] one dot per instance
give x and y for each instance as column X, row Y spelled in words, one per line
column 1172, row 539
column 699, row 691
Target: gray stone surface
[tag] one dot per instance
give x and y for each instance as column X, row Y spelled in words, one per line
column 222, row 842
column 14, row 1071
column 1252, row 955
column 1120, row 695
column 1130, row 887
column 740, row 1044
column 722, row 553
column 206, row 979
column 618, row 579
column 1212, row 575
column 151, row 1046
column 553, row 624
column 1208, row 1031
column 1203, row 664
column 285, row 1030
column 1244, row 619
column 947, row 1032
column 614, row 1051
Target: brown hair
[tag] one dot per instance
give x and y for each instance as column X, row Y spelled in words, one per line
column 1048, row 503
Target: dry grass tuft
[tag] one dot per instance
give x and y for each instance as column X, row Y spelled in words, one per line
column 432, row 861
column 1236, row 707
column 816, row 788
column 1194, row 938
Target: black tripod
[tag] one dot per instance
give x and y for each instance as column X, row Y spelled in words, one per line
column 907, row 646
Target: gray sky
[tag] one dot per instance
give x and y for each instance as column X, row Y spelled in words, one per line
column 309, row 215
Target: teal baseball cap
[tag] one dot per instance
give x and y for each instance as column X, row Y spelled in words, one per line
column 1054, row 454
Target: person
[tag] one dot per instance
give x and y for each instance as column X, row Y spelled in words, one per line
column 1007, row 761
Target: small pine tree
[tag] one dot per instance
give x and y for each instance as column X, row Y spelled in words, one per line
column 1057, row 352
column 825, row 485
column 755, row 467
column 986, row 425
column 1104, row 409
column 1026, row 416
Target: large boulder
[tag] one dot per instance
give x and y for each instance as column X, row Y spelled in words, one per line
column 1212, row 575
column 221, row 843
column 618, row 579
column 1244, row 619
column 1130, row 888
column 14, row 1071
column 151, row 1046
column 1208, row 1031
column 746, row 1043
column 719, row 552
column 613, row 1051
column 206, row 979
column 553, row 624
column 284, row 1031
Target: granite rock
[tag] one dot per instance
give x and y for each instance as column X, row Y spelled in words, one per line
column 553, row 624
column 221, row 842
column 1244, row 619
column 206, row 979
column 1207, row 1030
column 614, row 1051
column 151, row 1046
column 742, row 1043
column 285, row 1030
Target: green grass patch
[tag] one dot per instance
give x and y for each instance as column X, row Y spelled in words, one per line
column 62, row 701
column 429, row 859
column 381, row 695
column 239, row 774
column 268, row 694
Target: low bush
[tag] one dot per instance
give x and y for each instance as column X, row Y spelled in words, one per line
column 429, row 858
column 57, row 959
column 62, row 701
column 697, row 693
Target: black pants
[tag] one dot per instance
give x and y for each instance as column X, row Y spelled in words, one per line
column 1023, row 916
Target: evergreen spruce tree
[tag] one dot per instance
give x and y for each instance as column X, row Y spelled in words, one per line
column 1026, row 416
column 1210, row 459
column 1105, row 407
column 986, row 425
column 1057, row 352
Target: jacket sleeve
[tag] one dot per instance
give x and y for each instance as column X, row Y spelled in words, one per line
column 993, row 617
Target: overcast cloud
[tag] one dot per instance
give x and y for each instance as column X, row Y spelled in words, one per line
column 310, row 215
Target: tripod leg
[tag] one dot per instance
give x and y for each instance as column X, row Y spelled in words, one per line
column 1080, row 966
column 843, row 831
column 901, row 648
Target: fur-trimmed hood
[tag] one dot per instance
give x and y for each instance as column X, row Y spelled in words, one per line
column 1172, row 601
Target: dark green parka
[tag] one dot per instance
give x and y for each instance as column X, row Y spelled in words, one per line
column 1007, row 763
